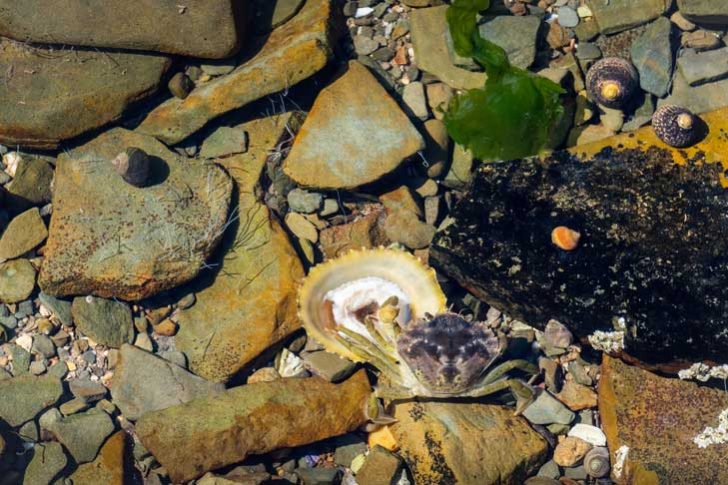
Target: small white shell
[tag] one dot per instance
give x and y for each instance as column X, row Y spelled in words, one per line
column 588, row 433
column 333, row 292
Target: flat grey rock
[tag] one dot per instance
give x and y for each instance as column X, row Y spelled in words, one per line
column 653, row 56
column 701, row 67
column 517, row 35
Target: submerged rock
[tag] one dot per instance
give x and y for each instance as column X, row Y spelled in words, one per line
column 618, row 15
column 24, row 232
column 209, row 433
column 48, row 461
column 651, row 255
column 67, row 92
column 204, row 29
column 17, row 280
column 107, row 322
column 251, row 303
column 111, row 239
column 24, row 397
column 466, row 443
column 111, row 467
column 654, row 420
column 291, row 53
column 357, row 117
column 709, row 12
column 144, row 382
column 82, row 434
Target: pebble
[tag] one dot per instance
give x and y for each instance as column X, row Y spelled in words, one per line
column 383, row 437
column 303, row 201
column 301, row 227
column 381, row 466
column 612, row 119
column 546, row 409
column 570, row 451
column 700, row 39
column 75, row 405
column 166, row 328
column 682, row 23
column 180, row 85
column 590, row 434
column 17, row 280
column 577, row 396
column 415, row 99
column 567, row 17
column 329, row 366
column 330, row 207
column 82, row 434
column 43, row 345
column 348, row 447
column 144, row 342
column 365, row 45
column 37, row 367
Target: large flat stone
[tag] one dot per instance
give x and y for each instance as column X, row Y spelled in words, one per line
column 698, row 99
column 144, row 382
column 517, row 35
column 657, row 419
column 653, row 56
column 293, row 52
column 354, row 116
column 709, row 12
column 647, row 215
column 50, row 95
column 107, row 322
column 24, row 397
column 111, row 239
column 618, row 15
column 203, row 28
column 701, row 67
column 209, row 433
column 428, row 27
column 81, row 434
column 251, row 303
column 467, row 443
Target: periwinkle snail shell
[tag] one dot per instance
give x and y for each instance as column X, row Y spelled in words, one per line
column 676, row 126
column 612, row 82
column 133, row 166
column 596, row 462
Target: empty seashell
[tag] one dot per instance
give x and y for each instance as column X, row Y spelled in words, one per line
column 133, row 166
column 596, row 462
column 565, row 238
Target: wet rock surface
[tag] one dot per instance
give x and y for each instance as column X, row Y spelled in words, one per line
column 140, row 25
column 645, row 224
column 251, row 419
column 657, row 420
column 452, row 443
column 112, row 239
column 291, row 53
column 65, row 93
column 377, row 135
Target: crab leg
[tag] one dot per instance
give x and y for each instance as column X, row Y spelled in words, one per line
column 508, row 366
column 523, row 393
column 366, row 351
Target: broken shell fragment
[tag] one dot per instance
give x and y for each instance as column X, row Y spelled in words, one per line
column 339, row 295
column 612, row 82
column 133, row 166
column 565, row 238
column 676, row 126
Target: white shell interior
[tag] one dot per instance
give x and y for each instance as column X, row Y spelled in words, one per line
column 356, row 294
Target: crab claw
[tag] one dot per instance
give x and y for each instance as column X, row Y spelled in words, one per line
column 389, row 311
column 375, row 413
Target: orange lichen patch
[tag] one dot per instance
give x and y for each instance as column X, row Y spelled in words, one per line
column 565, row 238
column 713, row 148
column 384, row 438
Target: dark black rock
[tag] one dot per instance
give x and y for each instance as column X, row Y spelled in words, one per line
column 653, row 248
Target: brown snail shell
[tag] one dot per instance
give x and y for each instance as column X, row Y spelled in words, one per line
column 596, row 462
column 612, row 82
column 133, row 166
column 565, row 238
column 676, row 126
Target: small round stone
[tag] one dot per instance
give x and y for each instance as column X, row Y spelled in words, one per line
column 180, row 85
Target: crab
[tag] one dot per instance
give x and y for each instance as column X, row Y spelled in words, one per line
column 385, row 308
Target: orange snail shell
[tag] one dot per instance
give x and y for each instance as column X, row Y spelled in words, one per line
column 565, row 238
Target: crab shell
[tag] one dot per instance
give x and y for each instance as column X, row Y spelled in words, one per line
column 415, row 282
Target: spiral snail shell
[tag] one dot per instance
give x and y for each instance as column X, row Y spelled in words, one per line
column 676, row 126
column 596, row 462
column 612, row 82
column 133, row 166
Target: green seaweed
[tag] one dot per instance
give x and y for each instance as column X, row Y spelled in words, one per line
column 514, row 114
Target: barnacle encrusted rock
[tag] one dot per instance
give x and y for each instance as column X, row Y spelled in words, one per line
column 657, row 420
column 354, row 134
column 652, row 250
column 251, row 303
column 211, row 432
column 111, row 239
column 57, row 94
